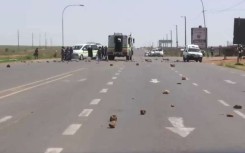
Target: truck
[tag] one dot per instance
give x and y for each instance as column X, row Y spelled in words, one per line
column 120, row 45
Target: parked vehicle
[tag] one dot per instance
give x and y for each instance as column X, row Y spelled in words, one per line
column 80, row 51
column 156, row 53
column 120, row 45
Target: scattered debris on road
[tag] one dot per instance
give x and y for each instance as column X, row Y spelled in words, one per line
column 54, row 60
column 113, row 118
column 166, row 92
column 137, row 64
column 172, row 65
column 237, row 107
column 112, row 124
column 142, row 112
column 179, row 83
column 165, row 59
column 177, row 61
column 8, row 66
column 230, row 115
column 111, row 64
column 172, row 106
column 148, row 60
column 184, row 78
column 47, row 61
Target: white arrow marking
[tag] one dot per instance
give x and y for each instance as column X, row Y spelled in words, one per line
column 154, row 81
column 230, row 82
column 178, row 127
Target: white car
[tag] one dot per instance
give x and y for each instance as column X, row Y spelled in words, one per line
column 192, row 52
column 80, row 51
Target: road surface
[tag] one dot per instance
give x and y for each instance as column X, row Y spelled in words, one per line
column 55, row 107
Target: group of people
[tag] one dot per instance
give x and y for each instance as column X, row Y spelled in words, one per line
column 66, row 53
column 102, row 53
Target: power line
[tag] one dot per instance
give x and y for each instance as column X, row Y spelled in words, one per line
column 226, row 9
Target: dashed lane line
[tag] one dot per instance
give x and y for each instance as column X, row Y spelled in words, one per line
column 54, row 150
column 95, row 101
column 109, row 83
column 240, row 113
column 114, row 78
column 4, row 119
column 117, row 73
column 82, row 80
column 207, row 92
column 85, row 113
column 72, row 129
column 230, row 82
column 224, row 103
column 195, row 84
column 104, row 91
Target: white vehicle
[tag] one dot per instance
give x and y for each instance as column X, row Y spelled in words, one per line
column 192, row 52
column 80, row 51
column 157, row 52
column 120, row 45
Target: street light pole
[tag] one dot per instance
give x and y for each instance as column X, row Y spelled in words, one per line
column 63, row 20
column 185, row 28
column 203, row 12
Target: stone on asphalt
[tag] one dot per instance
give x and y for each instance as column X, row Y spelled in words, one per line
column 142, row 112
column 184, row 78
column 237, row 107
column 166, row 92
column 8, row 66
column 112, row 124
column 113, row 118
column 230, row 115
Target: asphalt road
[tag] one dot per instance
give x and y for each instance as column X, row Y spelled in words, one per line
column 64, row 107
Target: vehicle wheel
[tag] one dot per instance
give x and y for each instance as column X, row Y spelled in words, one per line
column 200, row 60
column 111, row 57
column 196, row 60
column 127, row 58
column 81, row 57
column 187, row 59
column 184, row 59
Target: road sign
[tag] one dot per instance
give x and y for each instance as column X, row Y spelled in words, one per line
column 199, row 36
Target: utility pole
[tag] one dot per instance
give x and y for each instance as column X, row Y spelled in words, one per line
column 171, row 34
column 18, row 39
column 185, row 29
column 203, row 12
column 32, row 40
column 177, row 42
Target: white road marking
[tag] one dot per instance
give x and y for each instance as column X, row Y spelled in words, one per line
column 224, row 103
column 72, row 129
column 154, row 81
column 54, row 150
column 230, row 82
column 85, row 113
column 110, row 83
column 207, row 92
column 104, row 91
column 21, row 86
column 82, row 80
column 29, row 88
column 4, row 119
column 95, row 101
column 181, row 75
column 178, row 127
column 176, row 71
column 240, row 113
column 195, row 84
column 114, row 78
column 117, row 73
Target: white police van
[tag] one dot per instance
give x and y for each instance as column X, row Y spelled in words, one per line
column 80, row 51
column 192, row 52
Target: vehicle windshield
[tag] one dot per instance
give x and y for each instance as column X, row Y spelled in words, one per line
column 78, row 47
column 194, row 50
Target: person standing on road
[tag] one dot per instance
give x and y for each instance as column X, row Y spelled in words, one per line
column 70, row 52
column 102, row 52
column 62, row 53
column 36, row 53
column 105, row 53
column 66, row 53
column 99, row 53
column 212, row 51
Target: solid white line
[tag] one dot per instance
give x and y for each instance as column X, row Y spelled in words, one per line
column 109, row 83
column 104, row 91
column 4, row 119
column 29, row 88
column 207, row 92
column 54, row 150
column 230, row 82
column 195, row 84
column 72, row 129
column 240, row 113
column 21, row 86
column 85, row 113
column 95, row 101
column 114, row 78
column 223, row 102
column 82, row 80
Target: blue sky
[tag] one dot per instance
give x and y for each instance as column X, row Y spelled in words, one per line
column 147, row 20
